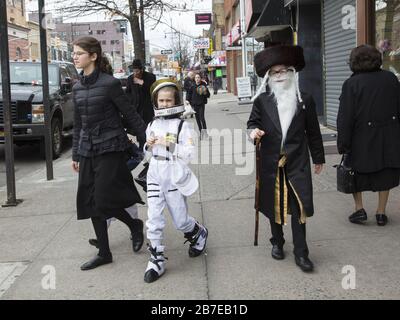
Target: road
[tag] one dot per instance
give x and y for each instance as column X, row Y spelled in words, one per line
column 27, row 160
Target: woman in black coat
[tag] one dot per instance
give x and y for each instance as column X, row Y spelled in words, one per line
column 369, row 129
column 197, row 96
column 99, row 151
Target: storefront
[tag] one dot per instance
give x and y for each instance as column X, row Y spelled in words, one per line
column 348, row 23
column 386, row 22
column 217, row 67
column 339, row 38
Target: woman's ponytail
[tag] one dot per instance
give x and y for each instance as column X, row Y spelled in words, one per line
column 105, row 65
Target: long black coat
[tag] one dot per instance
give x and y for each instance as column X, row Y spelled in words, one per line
column 140, row 95
column 303, row 135
column 99, row 102
column 368, row 121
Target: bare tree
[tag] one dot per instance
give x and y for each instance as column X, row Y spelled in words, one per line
column 131, row 10
column 183, row 49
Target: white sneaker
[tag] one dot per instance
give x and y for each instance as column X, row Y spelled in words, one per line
column 197, row 239
column 156, row 265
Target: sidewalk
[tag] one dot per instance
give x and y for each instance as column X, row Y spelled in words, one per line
column 41, row 238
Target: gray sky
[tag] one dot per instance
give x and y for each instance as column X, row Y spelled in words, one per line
column 185, row 22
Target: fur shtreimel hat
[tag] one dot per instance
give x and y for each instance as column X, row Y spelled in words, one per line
column 279, row 54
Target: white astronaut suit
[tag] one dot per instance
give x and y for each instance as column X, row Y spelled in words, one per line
column 161, row 191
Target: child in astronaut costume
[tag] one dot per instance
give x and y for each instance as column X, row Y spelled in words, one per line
column 169, row 179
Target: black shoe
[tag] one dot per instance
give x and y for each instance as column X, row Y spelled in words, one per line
column 94, row 243
column 277, row 252
column 381, row 219
column 137, row 235
column 97, row 261
column 358, row 216
column 304, row 263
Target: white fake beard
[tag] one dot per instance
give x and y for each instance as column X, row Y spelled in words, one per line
column 285, row 94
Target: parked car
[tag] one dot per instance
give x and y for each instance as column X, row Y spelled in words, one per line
column 27, row 103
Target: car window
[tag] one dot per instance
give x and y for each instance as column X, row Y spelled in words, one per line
column 63, row 74
column 73, row 73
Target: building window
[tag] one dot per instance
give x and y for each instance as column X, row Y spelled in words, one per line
column 387, row 26
column 103, row 42
column 112, row 42
column 18, row 53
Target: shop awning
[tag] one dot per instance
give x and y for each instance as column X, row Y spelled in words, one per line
column 274, row 17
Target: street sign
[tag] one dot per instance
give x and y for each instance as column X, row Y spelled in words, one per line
column 201, row 43
column 169, row 51
column 243, row 87
column 203, row 18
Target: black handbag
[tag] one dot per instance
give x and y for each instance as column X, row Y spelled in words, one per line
column 345, row 177
column 141, row 179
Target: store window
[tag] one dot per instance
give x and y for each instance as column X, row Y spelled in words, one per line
column 387, row 26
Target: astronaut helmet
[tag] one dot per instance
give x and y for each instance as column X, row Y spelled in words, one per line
column 167, row 110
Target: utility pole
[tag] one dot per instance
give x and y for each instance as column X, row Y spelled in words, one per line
column 243, row 37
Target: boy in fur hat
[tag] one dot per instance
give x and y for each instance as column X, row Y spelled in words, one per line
column 170, row 143
column 286, row 123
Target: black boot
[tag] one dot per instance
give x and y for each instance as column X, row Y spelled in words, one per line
column 304, row 263
column 277, row 252
column 137, row 235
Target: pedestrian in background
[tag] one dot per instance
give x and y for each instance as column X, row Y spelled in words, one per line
column 138, row 90
column 369, row 129
column 99, row 151
column 197, row 97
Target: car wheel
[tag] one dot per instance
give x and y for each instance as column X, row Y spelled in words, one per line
column 56, row 134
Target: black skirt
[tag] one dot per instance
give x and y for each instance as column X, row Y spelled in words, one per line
column 382, row 180
column 105, row 183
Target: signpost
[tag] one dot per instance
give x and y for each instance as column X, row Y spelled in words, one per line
column 166, row 52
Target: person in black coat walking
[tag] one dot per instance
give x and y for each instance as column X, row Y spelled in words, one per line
column 197, row 97
column 99, row 151
column 368, row 128
column 286, row 124
column 138, row 90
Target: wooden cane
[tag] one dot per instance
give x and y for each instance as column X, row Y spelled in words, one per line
column 257, row 195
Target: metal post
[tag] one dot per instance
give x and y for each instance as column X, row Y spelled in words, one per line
column 142, row 29
column 45, row 87
column 5, row 81
column 243, row 34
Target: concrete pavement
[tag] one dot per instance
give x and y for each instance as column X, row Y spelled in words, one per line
column 43, row 245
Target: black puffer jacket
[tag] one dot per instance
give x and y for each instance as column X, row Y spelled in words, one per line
column 99, row 104
column 196, row 99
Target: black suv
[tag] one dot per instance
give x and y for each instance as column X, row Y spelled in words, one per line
column 27, row 103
